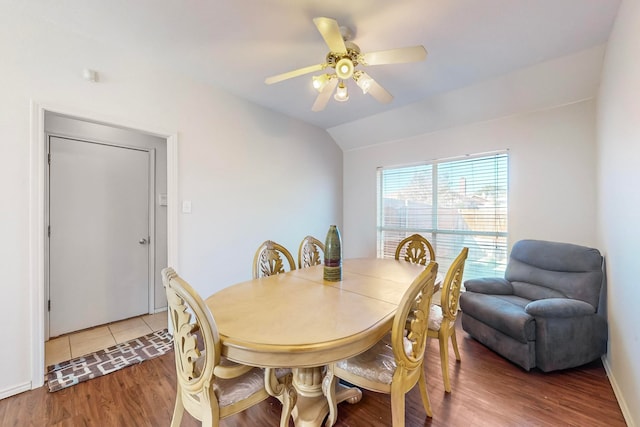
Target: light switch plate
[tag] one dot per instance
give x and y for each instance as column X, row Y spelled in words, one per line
column 186, row 206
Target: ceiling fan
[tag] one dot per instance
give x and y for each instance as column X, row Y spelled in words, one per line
column 343, row 58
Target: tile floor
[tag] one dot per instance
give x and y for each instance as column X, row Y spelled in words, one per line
column 87, row 341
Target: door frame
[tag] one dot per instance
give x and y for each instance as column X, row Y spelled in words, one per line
column 151, row 152
column 37, row 226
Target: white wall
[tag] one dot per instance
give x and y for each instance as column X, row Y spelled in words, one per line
column 619, row 203
column 552, row 184
column 251, row 174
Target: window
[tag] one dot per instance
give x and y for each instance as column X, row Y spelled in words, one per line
column 453, row 203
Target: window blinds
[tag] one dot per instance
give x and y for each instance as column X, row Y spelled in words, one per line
column 453, row 203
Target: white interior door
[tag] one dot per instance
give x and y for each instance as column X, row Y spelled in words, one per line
column 98, row 244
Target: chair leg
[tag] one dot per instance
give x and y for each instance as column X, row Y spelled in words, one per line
column 422, row 383
column 329, row 384
column 178, row 410
column 282, row 389
column 208, row 420
column 397, row 405
column 289, row 399
column 454, row 342
column 444, row 360
column 209, row 410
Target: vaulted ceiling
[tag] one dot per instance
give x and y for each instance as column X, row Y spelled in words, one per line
column 236, row 44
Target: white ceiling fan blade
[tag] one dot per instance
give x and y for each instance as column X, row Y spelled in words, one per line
column 395, row 56
column 377, row 91
column 325, row 95
column 331, row 34
column 294, row 73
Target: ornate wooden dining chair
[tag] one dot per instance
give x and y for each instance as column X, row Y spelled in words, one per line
column 311, row 252
column 394, row 366
column 415, row 249
column 268, row 260
column 442, row 320
column 209, row 386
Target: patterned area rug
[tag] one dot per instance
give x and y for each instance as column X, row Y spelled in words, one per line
column 74, row 371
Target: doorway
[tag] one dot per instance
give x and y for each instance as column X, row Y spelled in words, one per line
column 98, row 152
column 99, row 233
column 40, row 113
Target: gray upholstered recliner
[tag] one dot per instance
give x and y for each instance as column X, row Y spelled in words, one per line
column 544, row 313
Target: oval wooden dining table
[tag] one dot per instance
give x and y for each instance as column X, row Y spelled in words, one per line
column 298, row 320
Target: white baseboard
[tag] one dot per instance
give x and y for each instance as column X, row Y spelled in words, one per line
column 618, row 393
column 7, row 392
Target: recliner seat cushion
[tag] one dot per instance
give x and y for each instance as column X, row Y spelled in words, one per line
column 502, row 312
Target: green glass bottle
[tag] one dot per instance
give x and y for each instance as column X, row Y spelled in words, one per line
column 333, row 255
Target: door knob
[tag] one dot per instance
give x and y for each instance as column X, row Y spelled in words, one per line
column 143, row 241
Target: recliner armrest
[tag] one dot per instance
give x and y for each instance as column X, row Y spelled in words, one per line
column 559, row 307
column 489, row 285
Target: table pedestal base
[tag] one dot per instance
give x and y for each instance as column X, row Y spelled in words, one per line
column 315, row 399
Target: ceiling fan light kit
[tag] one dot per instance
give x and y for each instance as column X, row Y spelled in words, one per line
column 343, row 57
column 363, row 81
column 321, row 81
column 341, row 93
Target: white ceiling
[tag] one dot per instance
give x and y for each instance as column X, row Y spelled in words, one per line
column 235, row 44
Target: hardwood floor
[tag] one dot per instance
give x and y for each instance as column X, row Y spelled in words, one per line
column 487, row 391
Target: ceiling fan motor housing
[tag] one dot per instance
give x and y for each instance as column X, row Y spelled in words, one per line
column 344, row 63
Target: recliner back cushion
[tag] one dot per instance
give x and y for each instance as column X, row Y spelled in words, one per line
column 539, row 269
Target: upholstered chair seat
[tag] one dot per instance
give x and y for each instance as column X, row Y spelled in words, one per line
column 231, row 391
column 376, row 364
column 435, row 317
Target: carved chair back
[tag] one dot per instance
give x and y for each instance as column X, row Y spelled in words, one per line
column 415, row 249
column 452, row 285
column 310, row 253
column 268, row 260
